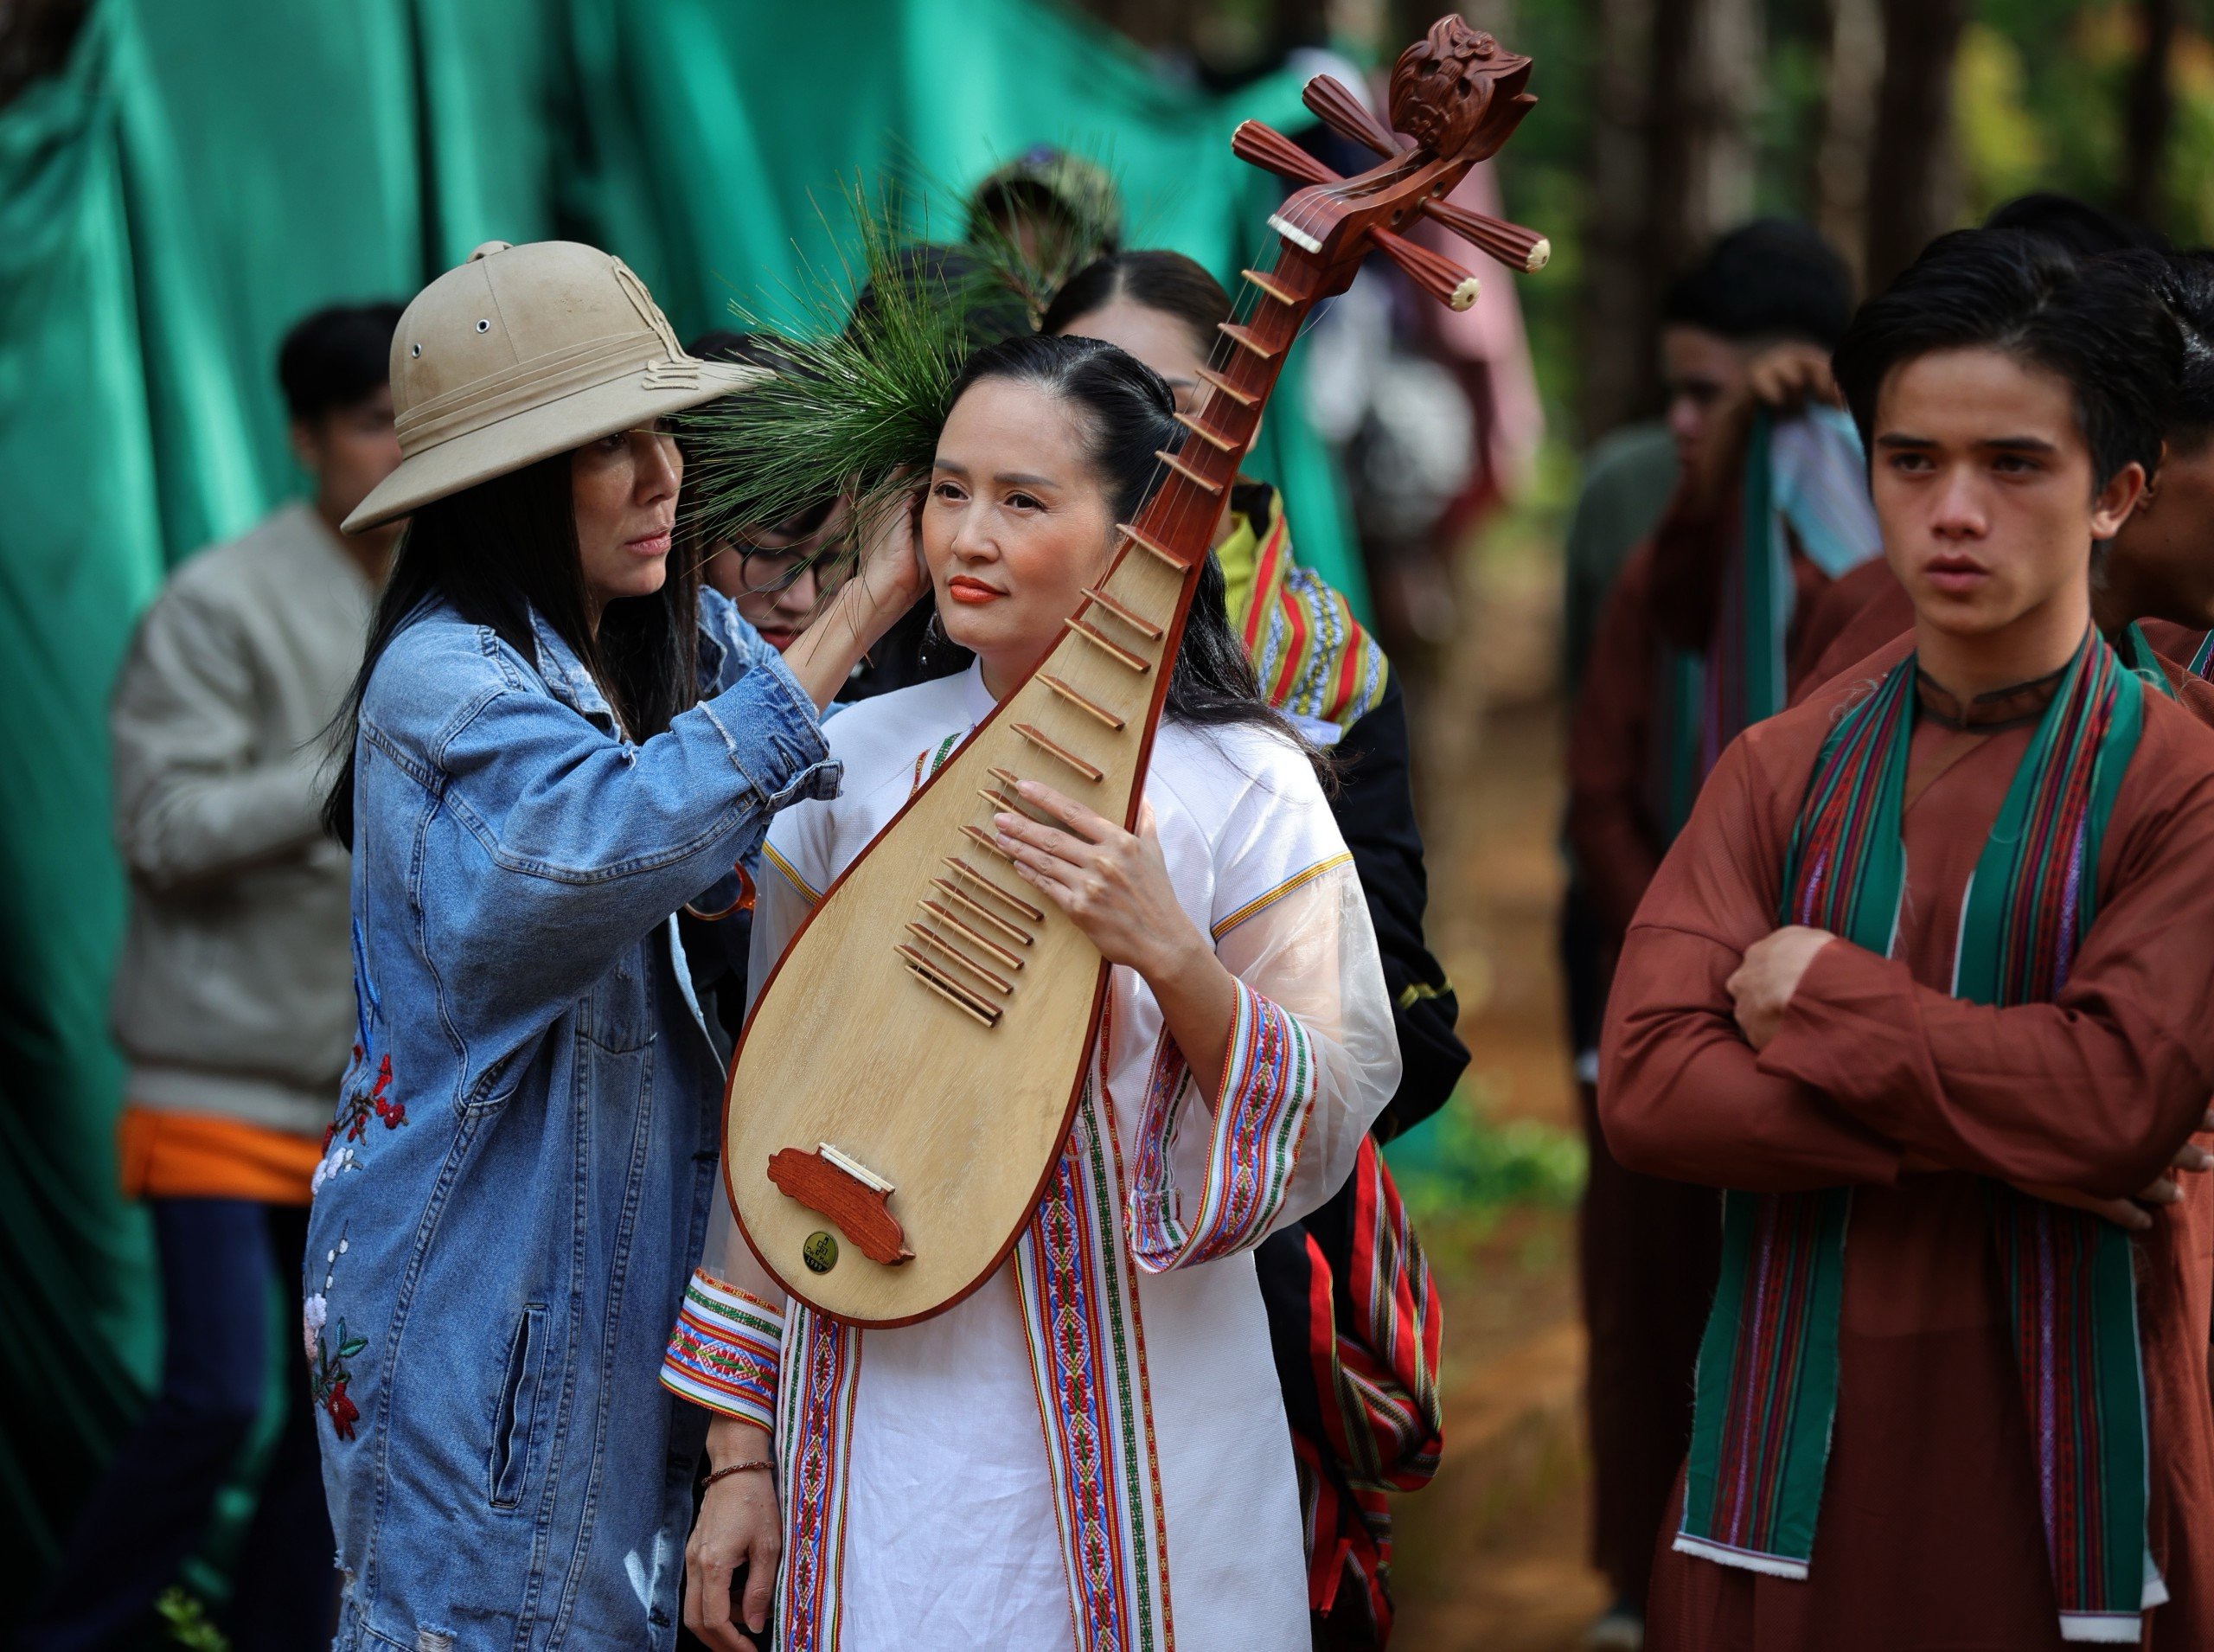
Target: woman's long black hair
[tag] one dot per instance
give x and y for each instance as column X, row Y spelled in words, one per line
column 496, row 553
column 1129, row 414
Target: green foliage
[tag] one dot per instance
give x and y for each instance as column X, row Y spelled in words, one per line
column 857, row 407
column 185, row 1617
column 863, row 395
column 2002, row 147
column 2191, row 148
column 1467, row 1164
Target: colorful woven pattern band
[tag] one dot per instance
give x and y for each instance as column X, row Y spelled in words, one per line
column 724, row 1352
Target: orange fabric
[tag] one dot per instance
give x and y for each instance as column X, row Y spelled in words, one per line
column 196, row 1156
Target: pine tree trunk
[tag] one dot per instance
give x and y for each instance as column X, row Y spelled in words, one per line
column 2151, row 111
column 1854, row 61
column 1913, row 180
column 1619, row 382
column 1672, row 165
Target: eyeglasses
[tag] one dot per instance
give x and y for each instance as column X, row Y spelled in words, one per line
column 769, row 571
column 763, row 573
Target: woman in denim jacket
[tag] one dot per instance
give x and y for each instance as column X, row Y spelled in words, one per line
column 559, row 740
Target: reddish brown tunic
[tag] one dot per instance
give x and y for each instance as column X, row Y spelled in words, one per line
column 1930, row 1535
column 1647, row 1247
column 1855, row 616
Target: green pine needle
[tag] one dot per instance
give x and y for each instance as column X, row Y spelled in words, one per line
column 185, row 1617
column 859, row 408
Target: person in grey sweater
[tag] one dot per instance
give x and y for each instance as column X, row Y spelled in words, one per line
column 233, row 1003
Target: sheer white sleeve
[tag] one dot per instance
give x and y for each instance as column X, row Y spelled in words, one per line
column 1312, row 1060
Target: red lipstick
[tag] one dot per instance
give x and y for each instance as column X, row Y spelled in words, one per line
column 971, row 593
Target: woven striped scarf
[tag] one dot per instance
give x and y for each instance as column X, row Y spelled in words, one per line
column 1768, row 1367
column 1805, row 475
column 2202, row 662
column 2137, row 654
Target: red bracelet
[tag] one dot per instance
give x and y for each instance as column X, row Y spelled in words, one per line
column 735, row 1467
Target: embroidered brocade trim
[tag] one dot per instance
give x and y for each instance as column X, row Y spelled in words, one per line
column 1087, row 1351
column 815, row 1435
column 1260, row 1119
column 725, row 1352
column 1261, row 903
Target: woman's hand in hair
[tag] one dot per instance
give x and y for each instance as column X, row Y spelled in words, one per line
column 739, row 1526
column 1114, row 885
column 887, row 580
column 890, row 570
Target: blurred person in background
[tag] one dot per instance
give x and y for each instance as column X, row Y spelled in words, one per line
column 1329, row 1315
column 1628, row 476
column 234, row 1005
column 1770, row 505
column 1048, row 210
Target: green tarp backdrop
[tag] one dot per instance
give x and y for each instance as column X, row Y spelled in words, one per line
column 204, row 173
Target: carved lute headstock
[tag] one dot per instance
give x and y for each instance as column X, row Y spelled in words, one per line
column 882, row 1171
column 1456, row 97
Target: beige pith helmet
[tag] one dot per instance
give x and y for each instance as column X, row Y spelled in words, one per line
column 522, row 353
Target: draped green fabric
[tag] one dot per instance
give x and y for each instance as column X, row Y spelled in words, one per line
column 206, row 171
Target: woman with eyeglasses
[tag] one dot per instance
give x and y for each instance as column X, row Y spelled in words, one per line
column 779, row 576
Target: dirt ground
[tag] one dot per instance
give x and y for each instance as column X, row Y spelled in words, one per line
column 1491, row 1557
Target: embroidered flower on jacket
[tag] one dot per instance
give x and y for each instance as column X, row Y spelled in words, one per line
column 339, row 1158
column 343, row 1415
column 355, row 1110
column 328, row 1354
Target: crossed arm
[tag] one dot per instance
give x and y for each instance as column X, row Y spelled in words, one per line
column 1761, row 988
column 1744, row 1055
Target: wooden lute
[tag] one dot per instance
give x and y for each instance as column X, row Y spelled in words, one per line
column 913, row 1065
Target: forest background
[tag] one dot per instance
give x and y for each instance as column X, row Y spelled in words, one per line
column 1881, row 122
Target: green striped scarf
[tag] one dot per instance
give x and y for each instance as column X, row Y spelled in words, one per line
column 1804, row 479
column 1768, row 1369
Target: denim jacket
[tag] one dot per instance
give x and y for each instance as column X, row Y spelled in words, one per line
column 517, row 1181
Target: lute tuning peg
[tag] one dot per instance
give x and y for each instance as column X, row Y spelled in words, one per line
column 1440, row 277
column 1270, row 150
column 1338, row 109
column 1512, row 245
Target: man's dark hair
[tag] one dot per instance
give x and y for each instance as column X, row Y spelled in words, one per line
column 1770, row 279
column 2093, row 324
column 2184, row 283
column 2076, row 228
column 336, row 357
